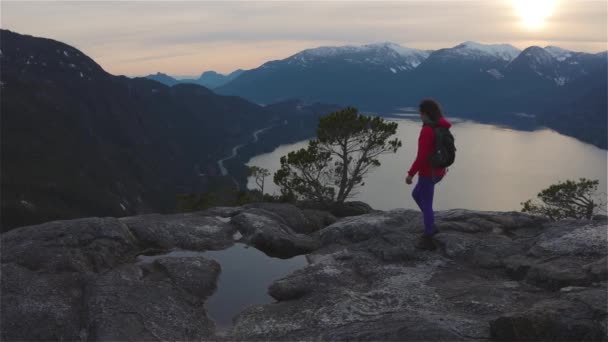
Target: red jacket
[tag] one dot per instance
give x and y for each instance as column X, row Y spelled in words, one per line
column 426, row 145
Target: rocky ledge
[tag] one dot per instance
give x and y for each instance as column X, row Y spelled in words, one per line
column 496, row 276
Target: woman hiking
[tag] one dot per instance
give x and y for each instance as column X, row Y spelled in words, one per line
column 431, row 116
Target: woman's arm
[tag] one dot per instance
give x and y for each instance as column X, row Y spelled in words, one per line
column 425, row 149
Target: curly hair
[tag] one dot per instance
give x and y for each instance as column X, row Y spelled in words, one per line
column 431, row 108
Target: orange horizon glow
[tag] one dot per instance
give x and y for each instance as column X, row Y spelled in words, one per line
column 187, row 38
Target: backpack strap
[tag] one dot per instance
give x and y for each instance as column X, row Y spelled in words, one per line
column 434, row 126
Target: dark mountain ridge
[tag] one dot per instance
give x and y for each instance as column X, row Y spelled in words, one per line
column 209, row 79
column 77, row 141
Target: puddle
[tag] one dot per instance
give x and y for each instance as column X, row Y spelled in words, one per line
column 244, row 280
column 246, row 275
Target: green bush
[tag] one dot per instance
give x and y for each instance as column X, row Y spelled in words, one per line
column 572, row 199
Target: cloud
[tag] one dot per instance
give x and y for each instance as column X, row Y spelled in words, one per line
column 188, row 37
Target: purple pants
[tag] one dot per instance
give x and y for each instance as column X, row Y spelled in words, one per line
column 423, row 195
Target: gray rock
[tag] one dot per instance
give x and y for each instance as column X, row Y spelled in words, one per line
column 370, row 226
column 468, row 221
column 353, row 208
column 222, row 211
column 319, row 219
column 495, row 276
column 287, row 214
column 272, row 236
column 196, row 275
column 549, row 320
column 193, row 231
column 600, row 217
column 598, row 270
column 132, row 303
column 40, row 306
column 560, row 239
column 517, row 266
column 345, row 209
column 595, row 298
column 80, row 279
column 82, row 245
column 558, row 273
column 402, row 326
column 312, row 279
column 367, row 282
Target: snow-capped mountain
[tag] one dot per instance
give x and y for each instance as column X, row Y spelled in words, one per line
column 469, row 61
column 466, row 77
column 556, row 64
column 470, row 49
column 538, row 60
column 474, row 54
column 387, row 56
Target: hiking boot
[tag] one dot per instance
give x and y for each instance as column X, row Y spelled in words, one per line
column 426, row 243
column 435, row 232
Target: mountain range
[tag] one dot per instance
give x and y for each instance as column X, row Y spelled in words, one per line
column 480, row 81
column 78, row 141
column 209, row 79
column 551, row 86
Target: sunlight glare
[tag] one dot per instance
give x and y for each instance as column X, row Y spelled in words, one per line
column 534, row 12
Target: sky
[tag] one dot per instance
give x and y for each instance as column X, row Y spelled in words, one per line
column 185, row 38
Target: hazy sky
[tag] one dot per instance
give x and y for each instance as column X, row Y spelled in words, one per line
column 186, row 38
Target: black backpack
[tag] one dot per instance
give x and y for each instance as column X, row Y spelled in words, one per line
column 444, row 152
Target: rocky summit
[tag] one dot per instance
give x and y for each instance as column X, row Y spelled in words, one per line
column 500, row 276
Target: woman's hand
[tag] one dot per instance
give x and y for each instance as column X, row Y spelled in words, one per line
column 408, row 179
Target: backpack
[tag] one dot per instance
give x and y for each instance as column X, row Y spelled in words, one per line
column 444, row 152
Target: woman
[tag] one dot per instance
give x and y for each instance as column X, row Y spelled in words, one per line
column 431, row 116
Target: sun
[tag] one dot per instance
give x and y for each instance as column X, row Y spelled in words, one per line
column 533, row 13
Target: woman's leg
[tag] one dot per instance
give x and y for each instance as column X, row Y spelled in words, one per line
column 427, row 190
column 416, row 194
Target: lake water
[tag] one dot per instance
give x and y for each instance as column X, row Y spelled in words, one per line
column 246, row 273
column 496, row 168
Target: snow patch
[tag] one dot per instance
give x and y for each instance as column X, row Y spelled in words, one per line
column 81, row 75
column 525, row 115
column 503, row 51
column 558, row 53
column 393, row 70
column 237, row 236
column 560, row 81
column 378, row 53
column 26, row 204
column 65, row 53
column 121, row 205
column 496, row 74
